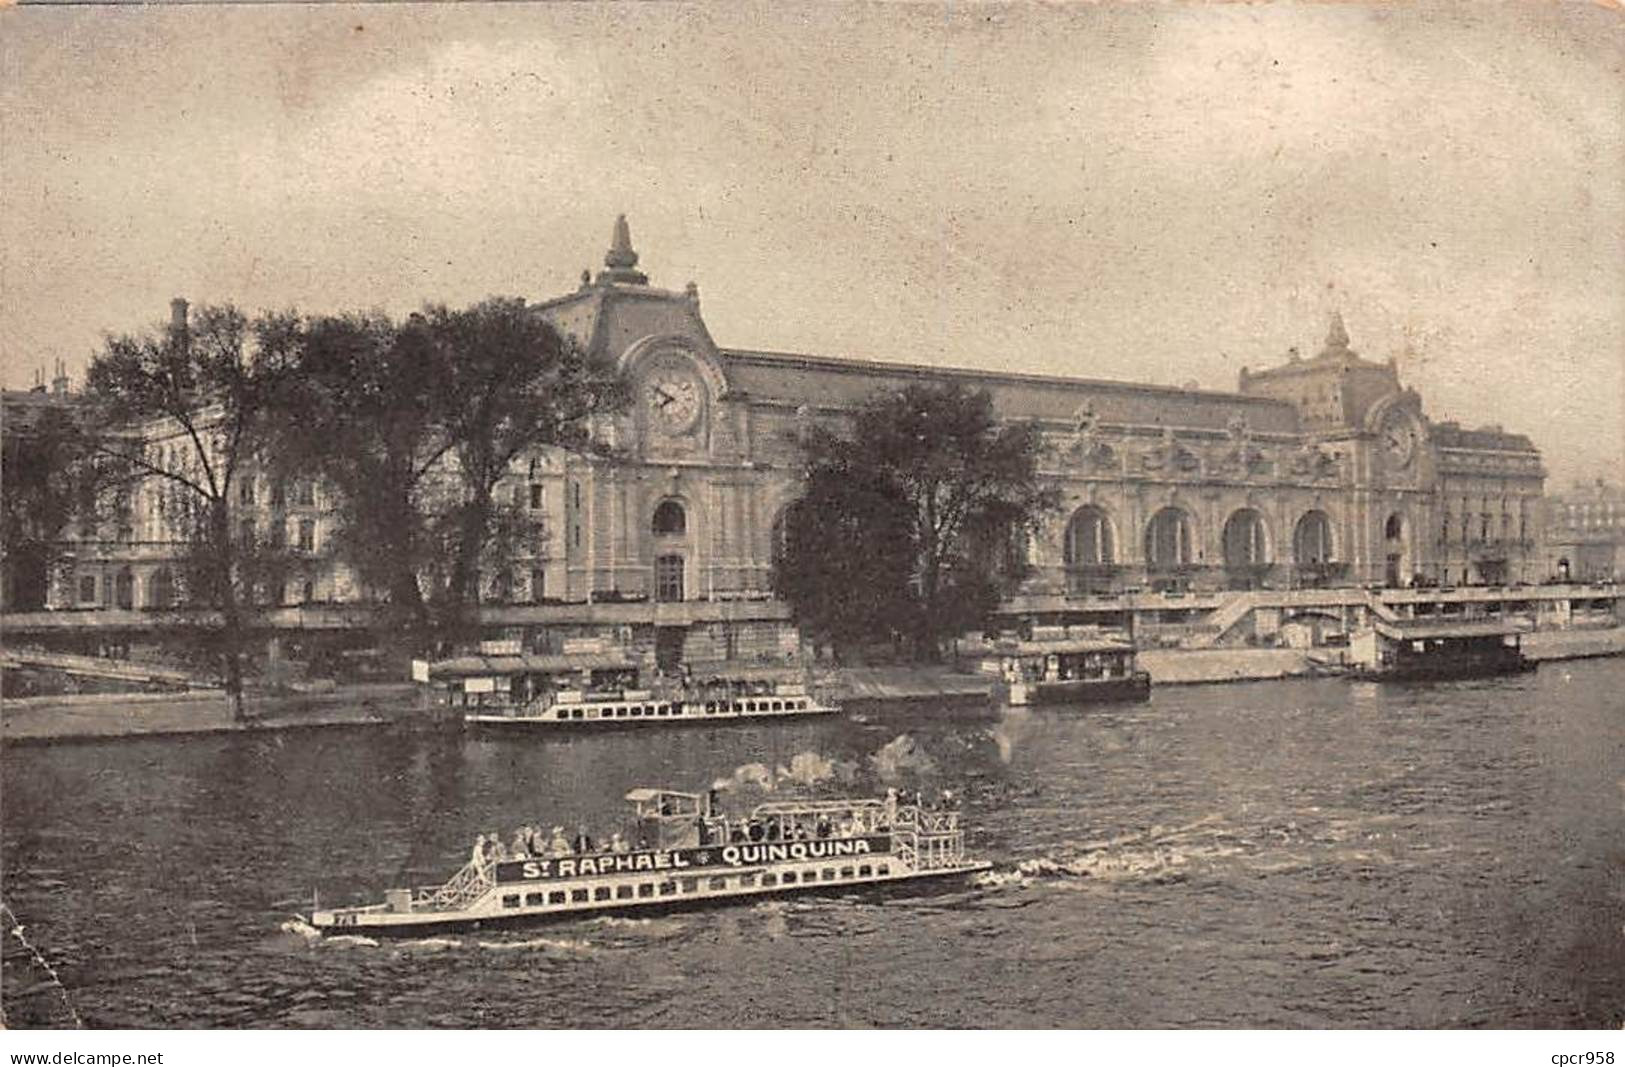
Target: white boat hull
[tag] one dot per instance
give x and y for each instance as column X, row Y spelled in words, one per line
column 569, row 716
column 490, row 910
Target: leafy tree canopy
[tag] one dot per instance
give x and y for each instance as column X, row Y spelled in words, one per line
column 923, row 502
column 186, row 407
column 414, row 424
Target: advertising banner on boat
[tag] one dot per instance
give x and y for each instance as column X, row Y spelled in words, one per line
column 738, row 854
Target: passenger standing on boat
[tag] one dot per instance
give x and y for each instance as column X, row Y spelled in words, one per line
column 520, row 850
column 560, row 845
column 617, row 843
column 583, row 843
column 823, row 826
column 478, row 858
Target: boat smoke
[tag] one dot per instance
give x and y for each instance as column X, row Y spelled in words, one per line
column 805, row 770
column 1013, row 728
column 902, row 757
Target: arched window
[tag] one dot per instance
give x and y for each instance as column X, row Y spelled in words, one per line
column 1168, row 540
column 670, row 518
column 779, row 536
column 161, row 589
column 1394, row 528
column 1089, row 540
column 1246, row 542
column 1312, row 539
column 124, row 589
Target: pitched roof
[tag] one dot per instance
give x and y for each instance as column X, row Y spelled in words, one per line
column 794, row 379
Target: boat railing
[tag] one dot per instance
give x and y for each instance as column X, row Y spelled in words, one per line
column 465, row 887
column 928, row 821
column 818, row 807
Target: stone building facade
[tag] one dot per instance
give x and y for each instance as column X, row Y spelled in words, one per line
column 1586, row 532
column 1319, row 471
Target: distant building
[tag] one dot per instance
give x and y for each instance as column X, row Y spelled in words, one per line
column 1319, row 471
column 28, row 549
column 1586, row 532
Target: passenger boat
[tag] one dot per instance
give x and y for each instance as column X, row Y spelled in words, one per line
column 695, row 857
column 1065, row 672
column 560, row 691
column 1411, row 650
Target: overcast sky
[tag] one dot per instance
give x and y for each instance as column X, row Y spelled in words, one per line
column 1155, row 193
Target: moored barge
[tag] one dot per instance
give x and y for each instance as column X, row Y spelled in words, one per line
column 1411, row 651
column 1066, row 672
column 689, row 856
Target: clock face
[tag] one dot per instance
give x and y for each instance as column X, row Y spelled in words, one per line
column 673, row 399
column 1398, row 439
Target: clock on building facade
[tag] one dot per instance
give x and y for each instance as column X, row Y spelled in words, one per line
column 1398, row 437
column 674, row 399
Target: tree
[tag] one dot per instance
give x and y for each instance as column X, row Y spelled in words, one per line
column 414, row 425
column 507, row 383
column 846, row 552
column 189, row 405
column 934, row 491
column 49, row 479
column 359, row 411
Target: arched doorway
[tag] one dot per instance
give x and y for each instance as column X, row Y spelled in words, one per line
column 668, row 578
column 1313, row 557
column 1169, row 547
column 1089, row 551
column 124, row 589
column 161, row 589
column 669, row 527
column 1396, row 551
column 1246, row 549
column 780, row 532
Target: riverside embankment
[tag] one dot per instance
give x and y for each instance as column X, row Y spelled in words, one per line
column 100, row 716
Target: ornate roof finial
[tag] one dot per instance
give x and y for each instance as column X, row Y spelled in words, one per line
column 1337, row 338
column 621, row 262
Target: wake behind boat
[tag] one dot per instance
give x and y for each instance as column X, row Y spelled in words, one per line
column 688, row 856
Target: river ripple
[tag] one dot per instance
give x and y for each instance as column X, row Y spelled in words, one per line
column 1294, row 854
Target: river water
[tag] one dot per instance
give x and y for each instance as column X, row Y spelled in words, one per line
column 1291, row 854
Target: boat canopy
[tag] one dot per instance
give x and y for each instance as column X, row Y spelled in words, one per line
column 665, row 803
column 722, row 672
column 1063, row 648
column 529, row 663
column 1418, row 630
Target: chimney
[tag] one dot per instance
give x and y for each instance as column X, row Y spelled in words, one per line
column 59, row 384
